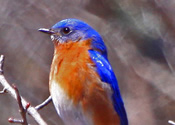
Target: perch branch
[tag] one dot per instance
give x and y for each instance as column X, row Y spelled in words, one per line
column 46, row 102
column 31, row 110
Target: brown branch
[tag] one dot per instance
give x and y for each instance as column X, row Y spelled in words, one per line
column 22, row 110
column 31, row 110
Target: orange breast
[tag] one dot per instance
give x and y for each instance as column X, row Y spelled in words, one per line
column 74, row 71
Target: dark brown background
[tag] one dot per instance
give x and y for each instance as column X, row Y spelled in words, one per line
column 140, row 38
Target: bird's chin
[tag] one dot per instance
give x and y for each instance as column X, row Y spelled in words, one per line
column 60, row 40
column 54, row 39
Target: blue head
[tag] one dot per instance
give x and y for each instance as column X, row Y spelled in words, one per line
column 75, row 30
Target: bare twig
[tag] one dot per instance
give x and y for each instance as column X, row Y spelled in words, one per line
column 31, row 110
column 46, row 102
column 171, row 122
column 1, row 64
column 12, row 120
column 22, row 110
column 3, row 91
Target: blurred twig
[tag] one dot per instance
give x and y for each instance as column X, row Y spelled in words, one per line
column 7, row 87
column 171, row 122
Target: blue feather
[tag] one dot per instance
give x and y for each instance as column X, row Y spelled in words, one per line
column 107, row 75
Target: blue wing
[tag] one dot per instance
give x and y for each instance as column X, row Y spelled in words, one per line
column 107, row 75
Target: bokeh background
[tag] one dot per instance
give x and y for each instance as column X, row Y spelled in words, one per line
column 140, row 37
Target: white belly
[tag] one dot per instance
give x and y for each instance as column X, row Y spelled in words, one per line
column 70, row 114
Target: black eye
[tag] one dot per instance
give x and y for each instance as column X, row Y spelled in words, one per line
column 66, row 30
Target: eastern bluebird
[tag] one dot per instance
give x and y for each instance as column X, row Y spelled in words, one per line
column 82, row 84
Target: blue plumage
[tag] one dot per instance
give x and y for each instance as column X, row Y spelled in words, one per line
column 107, row 75
column 98, row 54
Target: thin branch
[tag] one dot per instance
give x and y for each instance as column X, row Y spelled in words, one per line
column 171, row 122
column 1, row 64
column 46, row 102
column 22, row 110
column 3, row 91
column 31, row 110
column 12, row 120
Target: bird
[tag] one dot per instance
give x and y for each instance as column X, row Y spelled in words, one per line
column 82, row 83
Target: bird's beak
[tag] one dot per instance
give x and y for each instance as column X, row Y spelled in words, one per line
column 48, row 31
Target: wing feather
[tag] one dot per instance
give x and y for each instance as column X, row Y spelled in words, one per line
column 107, row 75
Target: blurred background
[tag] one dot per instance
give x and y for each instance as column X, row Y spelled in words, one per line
column 139, row 35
